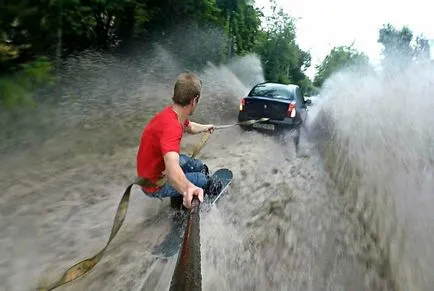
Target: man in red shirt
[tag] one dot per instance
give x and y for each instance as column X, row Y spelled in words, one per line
column 159, row 151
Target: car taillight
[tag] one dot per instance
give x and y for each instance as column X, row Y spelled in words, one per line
column 242, row 104
column 291, row 110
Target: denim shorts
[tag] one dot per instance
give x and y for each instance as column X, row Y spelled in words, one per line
column 193, row 171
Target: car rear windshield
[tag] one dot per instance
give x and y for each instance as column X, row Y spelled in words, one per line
column 273, row 91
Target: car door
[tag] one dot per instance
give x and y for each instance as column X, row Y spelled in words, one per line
column 300, row 105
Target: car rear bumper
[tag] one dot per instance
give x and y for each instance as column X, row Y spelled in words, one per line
column 287, row 122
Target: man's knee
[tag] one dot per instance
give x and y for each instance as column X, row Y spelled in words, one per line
column 199, row 179
column 192, row 165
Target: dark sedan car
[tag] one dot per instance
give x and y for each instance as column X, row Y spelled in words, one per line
column 283, row 104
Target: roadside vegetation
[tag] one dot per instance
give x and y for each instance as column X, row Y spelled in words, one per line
column 398, row 46
column 36, row 36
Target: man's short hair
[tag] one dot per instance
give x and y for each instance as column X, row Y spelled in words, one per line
column 187, row 87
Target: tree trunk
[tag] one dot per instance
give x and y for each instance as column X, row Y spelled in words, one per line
column 59, row 35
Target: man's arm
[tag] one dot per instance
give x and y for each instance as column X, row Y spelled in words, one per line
column 174, row 173
column 195, row 128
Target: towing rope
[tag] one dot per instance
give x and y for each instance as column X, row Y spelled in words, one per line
column 83, row 267
column 242, row 123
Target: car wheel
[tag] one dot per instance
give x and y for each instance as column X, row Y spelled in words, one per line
column 245, row 128
column 296, row 137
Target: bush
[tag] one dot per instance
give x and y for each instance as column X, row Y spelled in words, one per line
column 17, row 88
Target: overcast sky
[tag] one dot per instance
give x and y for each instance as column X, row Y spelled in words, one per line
column 323, row 24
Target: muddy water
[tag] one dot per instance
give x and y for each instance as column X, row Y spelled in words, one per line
column 281, row 226
column 380, row 153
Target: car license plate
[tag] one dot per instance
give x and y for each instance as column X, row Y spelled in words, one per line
column 264, row 126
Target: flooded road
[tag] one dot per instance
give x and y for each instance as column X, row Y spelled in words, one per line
column 284, row 224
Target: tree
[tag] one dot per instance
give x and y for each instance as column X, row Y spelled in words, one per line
column 396, row 45
column 399, row 47
column 422, row 49
column 339, row 58
column 36, row 34
column 282, row 59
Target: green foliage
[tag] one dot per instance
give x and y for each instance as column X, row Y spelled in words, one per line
column 246, row 28
column 58, row 28
column 307, row 87
column 339, row 58
column 13, row 94
column 16, row 88
column 282, row 59
column 422, row 49
column 400, row 48
column 37, row 72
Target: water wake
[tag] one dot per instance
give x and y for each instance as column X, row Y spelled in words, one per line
column 375, row 132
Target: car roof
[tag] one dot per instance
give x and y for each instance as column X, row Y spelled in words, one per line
column 277, row 85
column 291, row 88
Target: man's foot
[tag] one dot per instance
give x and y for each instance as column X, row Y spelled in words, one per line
column 205, row 170
column 213, row 187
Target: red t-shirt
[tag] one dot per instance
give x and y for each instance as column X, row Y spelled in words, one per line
column 162, row 135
